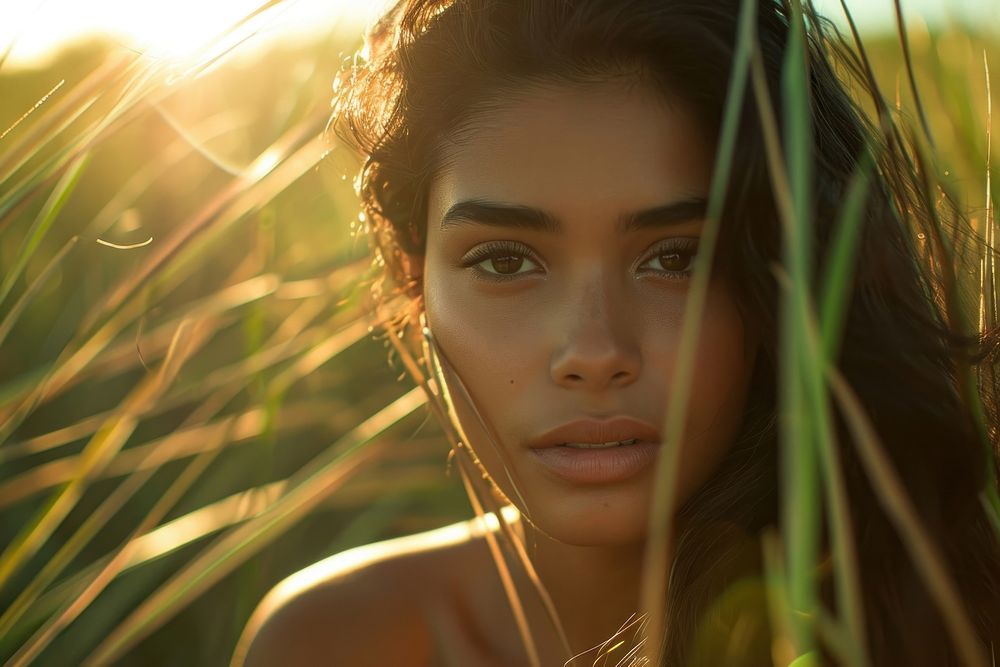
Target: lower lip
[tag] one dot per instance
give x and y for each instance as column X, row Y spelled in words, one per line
column 598, row 466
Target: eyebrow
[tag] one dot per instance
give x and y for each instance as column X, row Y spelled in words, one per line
column 499, row 214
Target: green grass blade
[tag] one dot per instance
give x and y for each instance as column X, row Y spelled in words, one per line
column 835, row 288
column 289, row 344
column 839, row 267
column 655, row 565
column 207, row 436
column 893, row 496
column 321, row 478
column 96, row 455
column 45, row 634
column 37, row 104
column 10, row 319
column 904, row 41
column 42, row 224
column 57, row 116
column 800, row 433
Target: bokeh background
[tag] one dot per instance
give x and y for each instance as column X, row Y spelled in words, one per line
column 193, row 402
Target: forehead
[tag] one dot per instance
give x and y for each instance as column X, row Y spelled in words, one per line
column 584, row 152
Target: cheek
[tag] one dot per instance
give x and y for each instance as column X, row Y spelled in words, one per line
column 488, row 344
column 489, row 341
column 718, row 397
column 493, row 345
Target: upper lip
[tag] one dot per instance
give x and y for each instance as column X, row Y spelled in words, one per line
column 597, row 431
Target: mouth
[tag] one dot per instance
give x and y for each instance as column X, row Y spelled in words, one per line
column 590, row 451
column 599, row 445
column 622, row 431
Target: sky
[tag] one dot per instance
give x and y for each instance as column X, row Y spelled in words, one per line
column 880, row 14
column 172, row 29
column 178, row 27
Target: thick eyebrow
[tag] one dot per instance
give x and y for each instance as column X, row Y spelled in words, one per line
column 498, row 214
column 685, row 210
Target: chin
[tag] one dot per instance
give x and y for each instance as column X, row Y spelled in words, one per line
column 594, row 516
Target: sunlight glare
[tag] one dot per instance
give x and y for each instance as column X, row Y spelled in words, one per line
column 176, row 30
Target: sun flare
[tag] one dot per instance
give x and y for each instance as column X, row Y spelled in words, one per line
column 176, row 30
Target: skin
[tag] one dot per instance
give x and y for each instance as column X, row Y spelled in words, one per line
column 588, row 326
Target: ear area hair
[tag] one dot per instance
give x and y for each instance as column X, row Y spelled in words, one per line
column 413, row 274
column 413, row 265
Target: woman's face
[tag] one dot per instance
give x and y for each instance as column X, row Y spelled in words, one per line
column 560, row 234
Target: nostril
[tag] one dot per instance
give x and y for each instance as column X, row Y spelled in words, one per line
column 596, row 363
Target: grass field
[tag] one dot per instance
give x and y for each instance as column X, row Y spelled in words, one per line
column 192, row 405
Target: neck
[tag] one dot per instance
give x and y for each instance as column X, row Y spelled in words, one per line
column 594, row 589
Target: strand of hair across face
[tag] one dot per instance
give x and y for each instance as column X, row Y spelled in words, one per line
column 434, row 355
column 454, row 433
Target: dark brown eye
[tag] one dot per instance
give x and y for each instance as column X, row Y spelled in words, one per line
column 675, row 261
column 502, row 260
column 507, row 264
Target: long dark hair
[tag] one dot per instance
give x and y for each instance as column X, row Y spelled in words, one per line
column 432, row 64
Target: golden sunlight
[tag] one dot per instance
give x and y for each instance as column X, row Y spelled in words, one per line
column 176, row 30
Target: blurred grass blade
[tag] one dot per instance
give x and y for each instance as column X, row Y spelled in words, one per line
column 847, row 581
column 57, row 116
column 129, row 191
column 319, row 355
column 34, row 108
column 838, row 274
column 776, row 578
column 194, row 144
column 990, row 495
column 225, row 513
column 72, row 362
column 155, row 544
column 658, row 542
column 800, row 395
column 149, row 459
column 42, row 224
column 82, row 141
column 904, row 42
column 836, row 286
column 222, row 45
column 225, row 207
column 321, row 478
column 290, row 340
column 182, row 443
column 98, row 452
column 94, row 522
column 30, row 650
column 894, row 499
column 798, row 438
column 10, row 319
column 186, row 442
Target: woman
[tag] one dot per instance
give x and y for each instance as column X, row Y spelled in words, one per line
column 536, row 186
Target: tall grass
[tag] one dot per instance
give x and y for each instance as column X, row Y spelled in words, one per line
column 188, row 371
column 188, row 367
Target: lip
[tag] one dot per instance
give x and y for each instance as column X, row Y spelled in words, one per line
column 596, row 431
column 597, row 466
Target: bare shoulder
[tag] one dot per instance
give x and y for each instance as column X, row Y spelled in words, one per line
column 363, row 606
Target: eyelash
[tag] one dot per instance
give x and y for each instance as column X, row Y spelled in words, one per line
column 497, row 249
column 685, row 247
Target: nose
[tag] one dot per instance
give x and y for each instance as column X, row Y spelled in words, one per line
column 599, row 341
